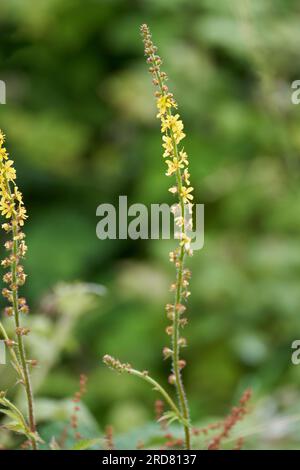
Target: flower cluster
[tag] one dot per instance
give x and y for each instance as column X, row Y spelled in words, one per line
column 237, row 414
column 76, row 408
column 116, row 364
column 12, row 208
column 172, row 127
column 177, row 162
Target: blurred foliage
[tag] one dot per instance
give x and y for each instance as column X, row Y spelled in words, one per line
column 80, row 124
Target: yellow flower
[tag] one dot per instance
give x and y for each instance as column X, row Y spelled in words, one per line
column 185, row 194
column 164, row 124
column 177, row 128
column 185, row 241
column 175, row 125
column 22, row 215
column 8, row 170
column 183, row 157
column 168, row 145
column 3, row 154
column 173, row 166
column 173, row 190
column 6, row 207
column 168, row 122
column 163, row 103
column 18, row 195
column 186, row 176
column 179, row 221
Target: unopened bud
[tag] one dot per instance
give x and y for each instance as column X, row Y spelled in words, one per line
column 169, row 330
column 22, row 331
column 24, row 309
column 182, row 342
column 183, row 322
column 172, row 379
column 8, row 311
column 180, row 308
column 6, row 227
column 32, row 362
column 167, row 352
column 181, row 363
column 8, row 245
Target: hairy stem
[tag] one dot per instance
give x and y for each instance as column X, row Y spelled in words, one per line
column 159, row 388
column 21, row 347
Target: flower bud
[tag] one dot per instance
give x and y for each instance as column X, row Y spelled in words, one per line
column 167, row 352
column 183, row 322
column 182, row 342
column 32, row 362
column 8, row 311
column 169, row 330
column 172, row 379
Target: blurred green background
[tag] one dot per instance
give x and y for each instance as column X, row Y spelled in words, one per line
column 80, row 125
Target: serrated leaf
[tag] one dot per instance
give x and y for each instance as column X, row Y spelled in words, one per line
column 18, row 423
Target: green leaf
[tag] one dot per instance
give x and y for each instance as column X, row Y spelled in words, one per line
column 84, row 444
column 15, row 426
column 10, row 414
column 170, row 417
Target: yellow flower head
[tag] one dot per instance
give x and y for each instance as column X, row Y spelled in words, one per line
column 8, row 171
column 186, row 176
column 3, row 154
column 186, row 195
column 173, row 166
column 168, row 145
column 11, row 203
column 169, row 122
column 183, row 157
column 164, row 102
column 185, row 241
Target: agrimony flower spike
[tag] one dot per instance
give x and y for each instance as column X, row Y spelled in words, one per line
column 177, row 167
column 177, row 163
column 13, row 210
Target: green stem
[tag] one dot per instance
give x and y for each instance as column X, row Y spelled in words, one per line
column 21, row 347
column 157, row 387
